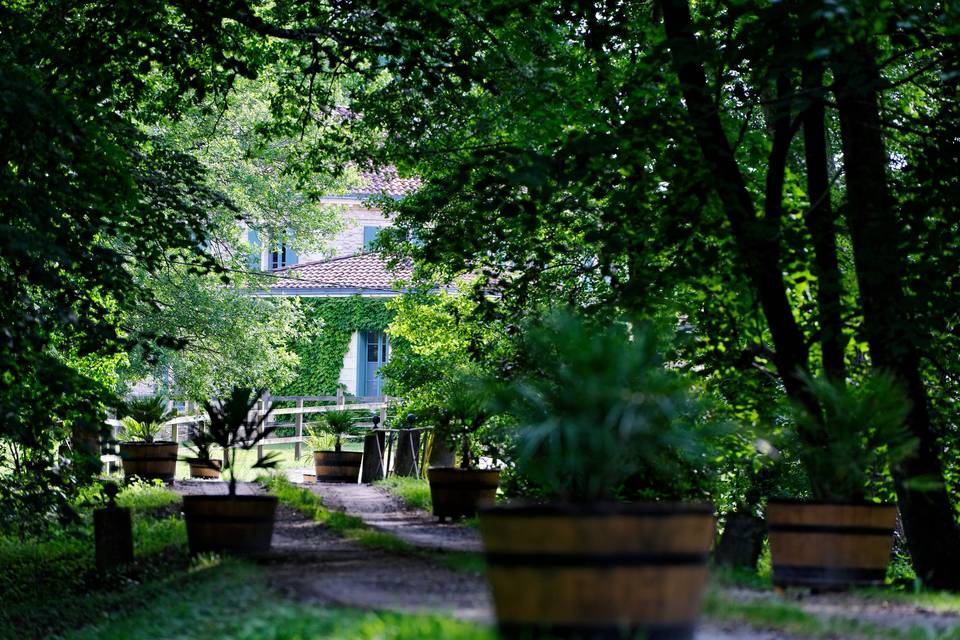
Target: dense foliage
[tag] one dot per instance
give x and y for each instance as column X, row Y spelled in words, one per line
column 321, row 348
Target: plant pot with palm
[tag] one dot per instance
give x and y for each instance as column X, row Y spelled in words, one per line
column 459, row 491
column 239, row 524
column 337, row 465
column 143, row 456
column 843, row 534
column 615, row 442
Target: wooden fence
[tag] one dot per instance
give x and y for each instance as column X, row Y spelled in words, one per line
column 181, row 428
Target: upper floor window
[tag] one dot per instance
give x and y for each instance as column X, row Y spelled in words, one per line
column 282, row 256
column 369, row 237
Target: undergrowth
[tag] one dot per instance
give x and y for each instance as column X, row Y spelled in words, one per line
column 414, row 492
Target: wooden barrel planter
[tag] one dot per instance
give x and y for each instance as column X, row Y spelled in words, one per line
column 597, row 571
column 457, row 493
column 229, row 524
column 209, row 470
column 830, row 546
column 334, row 466
column 149, row 461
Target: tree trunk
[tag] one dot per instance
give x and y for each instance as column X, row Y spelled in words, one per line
column 741, row 542
column 928, row 516
column 820, row 219
column 757, row 240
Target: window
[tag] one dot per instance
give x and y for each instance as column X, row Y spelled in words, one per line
column 282, row 257
column 369, row 237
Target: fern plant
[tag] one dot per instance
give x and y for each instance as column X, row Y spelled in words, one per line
column 143, row 418
column 860, row 431
column 234, row 425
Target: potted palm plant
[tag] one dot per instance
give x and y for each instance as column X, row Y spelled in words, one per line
column 338, row 465
column 316, row 440
column 459, row 491
column 231, row 523
column 616, row 443
column 142, row 455
column 841, row 537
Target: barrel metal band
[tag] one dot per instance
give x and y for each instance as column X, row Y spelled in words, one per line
column 511, row 631
column 585, row 560
column 832, row 529
column 459, row 486
column 805, row 575
column 228, row 519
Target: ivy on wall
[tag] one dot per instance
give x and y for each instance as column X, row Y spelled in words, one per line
column 321, row 352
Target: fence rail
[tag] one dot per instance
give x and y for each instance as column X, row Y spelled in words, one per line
column 181, row 428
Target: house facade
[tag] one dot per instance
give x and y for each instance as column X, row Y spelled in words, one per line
column 329, row 285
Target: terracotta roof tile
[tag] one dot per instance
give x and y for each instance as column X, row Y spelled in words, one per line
column 385, row 182
column 361, row 271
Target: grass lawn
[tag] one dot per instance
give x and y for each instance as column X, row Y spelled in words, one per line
column 246, row 458
column 50, row 588
column 414, row 492
column 230, row 599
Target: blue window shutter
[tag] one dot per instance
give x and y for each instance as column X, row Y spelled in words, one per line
column 253, row 260
column 290, row 258
column 361, row 363
column 369, row 235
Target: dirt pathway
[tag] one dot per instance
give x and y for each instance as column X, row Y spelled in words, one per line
column 310, row 564
column 383, row 511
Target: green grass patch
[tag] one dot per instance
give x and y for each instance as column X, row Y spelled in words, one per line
column 465, row 562
column 791, row 619
column 144, row 496
column 414, row 492
column 351, row 527
column 355, row 529
column 50, row 586
column 937, row 601
column 231, row 600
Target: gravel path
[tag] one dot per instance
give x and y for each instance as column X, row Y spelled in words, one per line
column 383, row 511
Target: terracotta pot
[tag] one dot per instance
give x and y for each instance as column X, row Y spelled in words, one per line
column 457, row 493
column 149, row 460
column 203, row 470
column 229, row 524
column 337, row 466
column 597, row 571
column 830, row 546
column 309, row 478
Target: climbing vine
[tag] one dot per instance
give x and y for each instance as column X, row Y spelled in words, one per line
column 322, row 350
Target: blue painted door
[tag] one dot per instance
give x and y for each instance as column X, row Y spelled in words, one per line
column 375, row 352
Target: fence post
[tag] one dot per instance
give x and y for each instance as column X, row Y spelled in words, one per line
column 264, row 409
column 373, row 467
column 340, row 398
column 298, row 431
